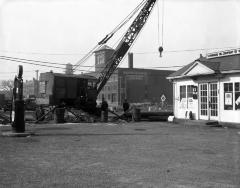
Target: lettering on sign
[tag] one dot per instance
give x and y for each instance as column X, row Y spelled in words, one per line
column 223, row 53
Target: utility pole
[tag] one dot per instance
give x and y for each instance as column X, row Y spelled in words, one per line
column 36, row 84
column 36, row 74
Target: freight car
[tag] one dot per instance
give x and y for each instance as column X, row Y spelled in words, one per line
column 81, row 91
column 77, row 91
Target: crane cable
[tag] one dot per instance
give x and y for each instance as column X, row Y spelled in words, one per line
column 162, row 21
column 130, row 46
column 108, row 36
column 160, row 49
column 86, row 57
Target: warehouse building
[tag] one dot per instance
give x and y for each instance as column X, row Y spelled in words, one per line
column 135, row 85
column 209, row 88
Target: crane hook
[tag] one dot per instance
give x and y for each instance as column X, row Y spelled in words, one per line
column 160, row 49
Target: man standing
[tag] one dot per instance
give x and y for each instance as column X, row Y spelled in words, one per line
column 104, row 109
column 125, row 106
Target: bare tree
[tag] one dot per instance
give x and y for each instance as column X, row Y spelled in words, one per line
column 6, row 87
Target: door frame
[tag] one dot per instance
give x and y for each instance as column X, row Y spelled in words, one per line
column 208, row 116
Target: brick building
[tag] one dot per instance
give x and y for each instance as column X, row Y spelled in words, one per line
column 136, row 85
column 30, row 88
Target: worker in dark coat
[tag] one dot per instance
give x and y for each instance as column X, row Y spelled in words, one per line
column 125, row 105
column 104, row 105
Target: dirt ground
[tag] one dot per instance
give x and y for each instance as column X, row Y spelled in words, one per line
column 122, row 155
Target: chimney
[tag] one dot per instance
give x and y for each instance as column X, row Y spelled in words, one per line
column 69, row 69
column 37, row 74
column 130, row 60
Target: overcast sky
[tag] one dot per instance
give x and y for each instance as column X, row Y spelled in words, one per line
column 62, row 30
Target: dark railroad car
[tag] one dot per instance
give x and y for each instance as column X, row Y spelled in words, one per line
column 2, row 100
column 73, row 90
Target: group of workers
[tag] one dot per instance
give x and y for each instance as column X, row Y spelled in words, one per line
column 104, row 105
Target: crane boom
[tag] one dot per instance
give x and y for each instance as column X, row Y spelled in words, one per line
column 125, row 44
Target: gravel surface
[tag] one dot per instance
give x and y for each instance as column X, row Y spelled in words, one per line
column 121, row 155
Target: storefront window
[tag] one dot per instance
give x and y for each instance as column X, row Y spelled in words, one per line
column 188, row 93
column 228, row 96
column 237, row 96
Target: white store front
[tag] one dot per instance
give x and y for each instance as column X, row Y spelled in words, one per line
column 209, row 88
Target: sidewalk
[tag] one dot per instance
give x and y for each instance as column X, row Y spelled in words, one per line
column 207, row 123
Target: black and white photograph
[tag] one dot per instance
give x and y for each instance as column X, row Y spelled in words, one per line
column 120, row 93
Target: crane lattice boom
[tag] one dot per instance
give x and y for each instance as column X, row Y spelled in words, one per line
column 125, row 44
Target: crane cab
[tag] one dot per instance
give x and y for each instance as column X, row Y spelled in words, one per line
column 73, row 90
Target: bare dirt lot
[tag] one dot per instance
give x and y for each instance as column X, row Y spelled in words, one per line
column 122, row 155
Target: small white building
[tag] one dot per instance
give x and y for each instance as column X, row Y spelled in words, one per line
column 209, row 88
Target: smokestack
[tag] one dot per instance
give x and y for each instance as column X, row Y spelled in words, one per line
column 130, row 60
column 37, row 74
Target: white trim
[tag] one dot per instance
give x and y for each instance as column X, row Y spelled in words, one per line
column 184, row 74
column 196, row 64
column 187, row 76
column 231, row 71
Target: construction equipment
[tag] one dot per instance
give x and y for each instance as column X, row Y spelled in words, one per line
column 86, row 97
column 125, row 44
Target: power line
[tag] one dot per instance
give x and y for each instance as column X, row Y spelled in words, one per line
column 95, row 72
column 186, row 50
column 47, row 62
column 27, row 62
column 20, row 61
column 39, row 53
column 36, row 61
column 14, row 72
column 152, row 52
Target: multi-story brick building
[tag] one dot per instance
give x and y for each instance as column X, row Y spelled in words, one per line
column 30, row 88
column 136, row 85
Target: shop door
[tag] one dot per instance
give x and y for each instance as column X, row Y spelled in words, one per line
column 208, row 101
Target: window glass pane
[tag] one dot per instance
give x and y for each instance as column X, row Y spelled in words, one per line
column 228, row 96
column 237, row 96
column 237, row 88
column 189, row 91
column 182, row 92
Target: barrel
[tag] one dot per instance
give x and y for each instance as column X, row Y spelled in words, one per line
column 59, row 115
column 136, row 116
